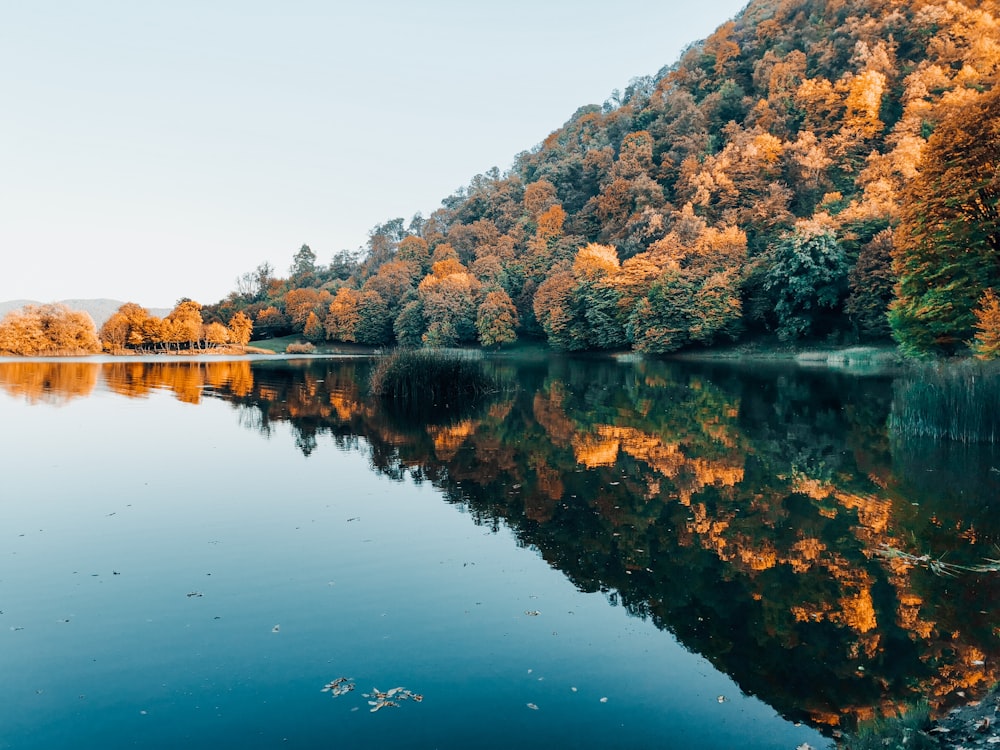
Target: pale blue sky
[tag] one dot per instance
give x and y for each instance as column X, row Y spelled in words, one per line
column 152, row 151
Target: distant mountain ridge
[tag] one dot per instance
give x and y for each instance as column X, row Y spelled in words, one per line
column 98, row 309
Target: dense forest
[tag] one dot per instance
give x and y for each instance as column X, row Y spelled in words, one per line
column 814, row 170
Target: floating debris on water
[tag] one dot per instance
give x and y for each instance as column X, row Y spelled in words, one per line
column 532, row 706
column 936, row 565
column 194, row 594
column 532, row 612
column 722, row 699
column 340, row 686
column 604, row 700
column 276, row 629
column 390, row 698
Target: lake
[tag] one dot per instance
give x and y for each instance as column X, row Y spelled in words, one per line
column 607, row 553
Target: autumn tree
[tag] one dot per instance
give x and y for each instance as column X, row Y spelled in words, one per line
column 240, row 329
column 271, row 321
column 185, row 323
column 314, row 329
column 393, row 281
column 414, row 250
column 578, row 308
column 686, row 288
column 126, row 328
column 596, row 296
column 342, row 316
column 215, row 334
column 450, row 298
column 47, row 329
column 301, row 303
column 987, row 342
column 554, row 310
column 496, row 320
column 947, row 244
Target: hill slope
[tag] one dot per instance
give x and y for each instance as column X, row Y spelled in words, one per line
column 752, row 186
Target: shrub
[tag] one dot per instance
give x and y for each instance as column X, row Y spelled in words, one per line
column 302, row 348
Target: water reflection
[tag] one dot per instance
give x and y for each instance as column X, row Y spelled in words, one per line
column 743, row 511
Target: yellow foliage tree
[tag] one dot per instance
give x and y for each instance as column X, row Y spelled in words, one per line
column 240, row 329
column 987, row 341
column 342, row 317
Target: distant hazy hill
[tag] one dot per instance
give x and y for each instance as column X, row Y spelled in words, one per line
column 98, row 309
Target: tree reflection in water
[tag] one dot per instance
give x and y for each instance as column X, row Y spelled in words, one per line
column 741, row 509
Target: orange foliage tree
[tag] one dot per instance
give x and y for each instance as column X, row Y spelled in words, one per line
column 496, row 320
column 240, row 329
column 47, row 329
column 987, row 341
column 342, row 316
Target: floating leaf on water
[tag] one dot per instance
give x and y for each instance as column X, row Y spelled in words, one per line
column 340, row 686
column 532, row 706
column 390, row 698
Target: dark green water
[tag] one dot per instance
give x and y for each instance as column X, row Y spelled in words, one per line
column 606, row 554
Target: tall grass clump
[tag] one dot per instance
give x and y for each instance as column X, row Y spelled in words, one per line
column 425, row 379
column 948, row 402
column 906, row 731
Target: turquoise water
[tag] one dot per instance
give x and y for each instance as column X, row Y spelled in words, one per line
column 178, row 574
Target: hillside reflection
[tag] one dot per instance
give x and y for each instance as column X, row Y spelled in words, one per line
column 743, row 511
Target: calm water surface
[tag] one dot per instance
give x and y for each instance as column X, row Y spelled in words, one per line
column 610, row 554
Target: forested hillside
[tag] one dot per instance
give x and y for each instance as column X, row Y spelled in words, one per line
column 815, row 170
